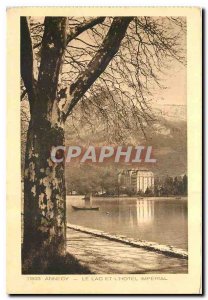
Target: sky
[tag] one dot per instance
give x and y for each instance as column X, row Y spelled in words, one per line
column 175, row 81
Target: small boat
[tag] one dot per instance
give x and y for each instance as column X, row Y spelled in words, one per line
column 85, row 208
column 140, row 198
column 177, row 198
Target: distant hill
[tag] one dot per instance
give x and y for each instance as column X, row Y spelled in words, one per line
column 167, row 135
column 171, row 111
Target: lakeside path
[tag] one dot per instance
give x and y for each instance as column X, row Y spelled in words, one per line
column 103, row 256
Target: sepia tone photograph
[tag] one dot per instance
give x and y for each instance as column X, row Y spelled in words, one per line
column 104, row 145
column 104, row 141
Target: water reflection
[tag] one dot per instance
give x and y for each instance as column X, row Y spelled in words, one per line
column 145, row 211
column 158, row 220
column 137, row 213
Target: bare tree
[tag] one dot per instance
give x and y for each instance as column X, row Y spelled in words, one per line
column 68, row 63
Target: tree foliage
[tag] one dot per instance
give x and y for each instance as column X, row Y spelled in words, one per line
column 111, row 66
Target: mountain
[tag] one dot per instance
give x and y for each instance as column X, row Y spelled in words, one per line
column 167, row 135
column 171, row 111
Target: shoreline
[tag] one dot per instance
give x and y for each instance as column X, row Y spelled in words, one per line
column 105, row 256
column 182, row 198
column 150, row 246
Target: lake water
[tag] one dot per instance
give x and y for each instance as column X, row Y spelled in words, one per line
column 154, row 219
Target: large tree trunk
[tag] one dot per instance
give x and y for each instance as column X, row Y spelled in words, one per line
column 44, row 184
column 44, row 192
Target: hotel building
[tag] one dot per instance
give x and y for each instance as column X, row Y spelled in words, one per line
column 138, row 180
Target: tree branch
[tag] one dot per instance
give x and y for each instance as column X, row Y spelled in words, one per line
column 81, row 28
column 98, row 64
column 27, row 61
column 23, row 94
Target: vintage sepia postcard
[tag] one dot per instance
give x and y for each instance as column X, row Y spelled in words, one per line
column 104, row 150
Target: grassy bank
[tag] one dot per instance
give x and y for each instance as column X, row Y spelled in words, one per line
column 58, row 265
